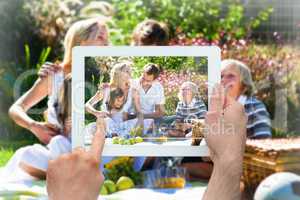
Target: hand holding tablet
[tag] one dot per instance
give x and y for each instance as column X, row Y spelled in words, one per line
column 77, row 175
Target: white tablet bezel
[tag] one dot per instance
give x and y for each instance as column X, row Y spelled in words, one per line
column 212, row 53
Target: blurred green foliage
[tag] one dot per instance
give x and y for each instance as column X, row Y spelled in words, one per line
column 208, row 18
column 43, row 25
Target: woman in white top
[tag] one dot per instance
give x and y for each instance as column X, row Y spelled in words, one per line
column 86, row 32
column 31, row 162
column 118, row 122
column 120, row 78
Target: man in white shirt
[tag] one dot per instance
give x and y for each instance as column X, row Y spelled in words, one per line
column 150, row 92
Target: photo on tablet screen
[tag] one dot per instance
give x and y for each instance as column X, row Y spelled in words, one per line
column 151, row 105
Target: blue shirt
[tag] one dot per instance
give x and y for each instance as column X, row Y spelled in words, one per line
column 195, row 110
column 259, row 123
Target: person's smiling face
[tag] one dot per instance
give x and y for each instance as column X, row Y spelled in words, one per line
column 124, row 82
column 231, row 79
column 98, row 36
column 187, row 94
column 147, row 80
column 119, row 102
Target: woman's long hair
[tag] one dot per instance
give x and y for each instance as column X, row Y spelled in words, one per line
column 64, row 102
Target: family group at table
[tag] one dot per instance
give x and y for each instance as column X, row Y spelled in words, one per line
column 126, row 103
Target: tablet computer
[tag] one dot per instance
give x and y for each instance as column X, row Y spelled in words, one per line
column 182, row 69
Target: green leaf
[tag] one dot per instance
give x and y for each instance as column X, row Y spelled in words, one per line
column 27, row 56
column 43, row 57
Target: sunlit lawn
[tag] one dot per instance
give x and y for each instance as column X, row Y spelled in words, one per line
column 5, row 155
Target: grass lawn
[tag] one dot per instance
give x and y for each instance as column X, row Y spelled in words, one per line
column 5, row 155
column 7, row 149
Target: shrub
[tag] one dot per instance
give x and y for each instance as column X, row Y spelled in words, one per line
column 273, row 67
column 207, row 18
column 52, row 19
column 17, row 29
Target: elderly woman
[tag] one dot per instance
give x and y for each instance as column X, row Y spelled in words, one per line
column 190, row 106
column 236, row 78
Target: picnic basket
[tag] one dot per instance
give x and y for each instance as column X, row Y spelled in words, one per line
column 265, row 157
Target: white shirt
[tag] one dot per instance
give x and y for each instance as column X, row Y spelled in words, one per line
column 242, row 99
column 153, row 96
column 57, row 82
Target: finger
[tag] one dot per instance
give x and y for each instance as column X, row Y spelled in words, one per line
column 221, row 94
column 98, row 144
column 56, row 68
column 52, row 127
column 49, row 70
column 217, row 99
column 78, row 150
column 45, row 72
column 48, row 63
column 101, row 126
column 41, row 74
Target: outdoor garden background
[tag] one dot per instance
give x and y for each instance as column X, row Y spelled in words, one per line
column 262, row 33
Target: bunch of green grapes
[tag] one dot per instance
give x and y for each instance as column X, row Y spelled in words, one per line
column 129, row 141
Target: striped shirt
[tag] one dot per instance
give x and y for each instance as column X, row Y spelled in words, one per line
column 259, row 123
column 195, row 110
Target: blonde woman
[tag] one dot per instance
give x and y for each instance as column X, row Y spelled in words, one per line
column 119, row 122
column 120, row 78
column 85, row 32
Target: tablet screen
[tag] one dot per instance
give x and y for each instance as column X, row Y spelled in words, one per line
column 152, row 105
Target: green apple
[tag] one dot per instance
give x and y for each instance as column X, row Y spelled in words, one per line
column 122, row 141
column 110, row 186
column 103, row 190
column 124, row 183
column 115, row 140
column 138, row 139
column 132, row 141
column 127, row 142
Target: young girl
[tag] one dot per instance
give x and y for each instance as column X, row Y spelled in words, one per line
column 116, row 125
